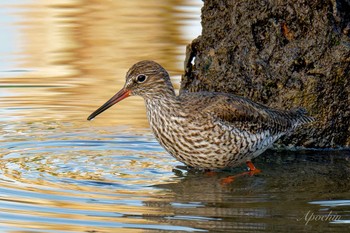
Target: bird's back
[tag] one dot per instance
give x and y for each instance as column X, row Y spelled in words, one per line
column 244, row 113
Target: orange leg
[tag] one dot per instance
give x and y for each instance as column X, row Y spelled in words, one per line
column 210, row 173
column 228, row 180
column 252, row 171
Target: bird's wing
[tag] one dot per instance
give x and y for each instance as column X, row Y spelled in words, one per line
column 247, row 115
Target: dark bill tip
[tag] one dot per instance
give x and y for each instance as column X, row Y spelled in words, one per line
column 122, row 94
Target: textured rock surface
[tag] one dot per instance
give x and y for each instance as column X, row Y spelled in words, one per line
column 280, row 53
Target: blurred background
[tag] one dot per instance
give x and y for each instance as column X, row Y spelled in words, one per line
column 62, row 59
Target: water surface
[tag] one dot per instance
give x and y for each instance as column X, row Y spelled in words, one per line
column 60, row 173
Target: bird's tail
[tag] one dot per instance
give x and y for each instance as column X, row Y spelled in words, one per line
column 300, row 117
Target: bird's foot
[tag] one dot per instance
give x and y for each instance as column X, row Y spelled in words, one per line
column 252, row 171
column 228, row 180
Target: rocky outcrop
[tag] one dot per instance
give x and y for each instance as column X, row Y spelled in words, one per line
column 283, row 54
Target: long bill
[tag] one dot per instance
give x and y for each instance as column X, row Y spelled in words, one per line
column 122, row 94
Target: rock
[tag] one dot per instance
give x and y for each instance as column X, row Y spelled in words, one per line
column 282, row 54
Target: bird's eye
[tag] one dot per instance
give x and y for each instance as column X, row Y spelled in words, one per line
column 141, row 78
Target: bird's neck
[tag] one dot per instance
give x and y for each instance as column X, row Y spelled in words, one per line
column 161, row 93
column 165, row 103
column 162, row 100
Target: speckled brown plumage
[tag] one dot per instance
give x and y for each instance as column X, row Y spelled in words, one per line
column 205, row 129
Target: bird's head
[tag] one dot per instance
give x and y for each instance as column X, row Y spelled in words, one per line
column 147, row 79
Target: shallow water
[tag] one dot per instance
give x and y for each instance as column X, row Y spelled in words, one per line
column 60, row 173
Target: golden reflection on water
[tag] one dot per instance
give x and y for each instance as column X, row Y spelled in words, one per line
column 76, row 54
